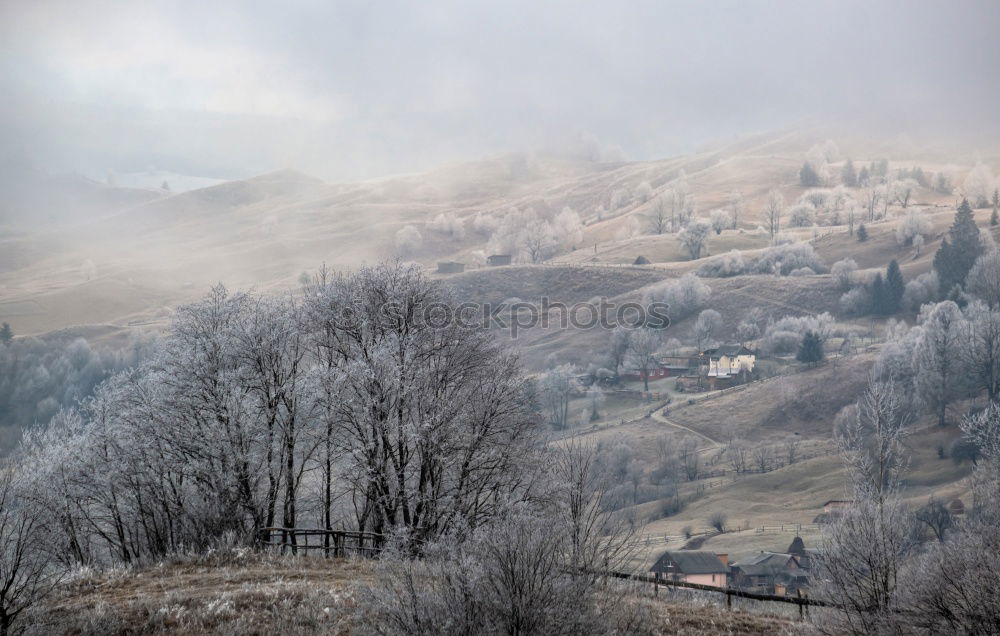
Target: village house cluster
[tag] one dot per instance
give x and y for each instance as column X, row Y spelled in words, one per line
column 717, row 368
column 779, row 573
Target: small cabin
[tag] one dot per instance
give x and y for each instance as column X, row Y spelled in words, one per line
column 693, row 566
column 450, row 267
column 498, row 259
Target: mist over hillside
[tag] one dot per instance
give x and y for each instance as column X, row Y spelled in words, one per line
column 499, row 318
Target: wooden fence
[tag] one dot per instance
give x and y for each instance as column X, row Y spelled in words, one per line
column 342, row 543
column 803, row 602
column 333, row 543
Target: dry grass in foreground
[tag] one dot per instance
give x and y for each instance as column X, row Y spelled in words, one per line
column 241, row 593
column 247, row 593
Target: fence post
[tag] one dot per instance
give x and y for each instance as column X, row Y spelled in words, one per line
column 801, row 605
column 729, row 599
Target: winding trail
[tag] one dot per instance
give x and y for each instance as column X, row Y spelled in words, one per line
column 658, row 416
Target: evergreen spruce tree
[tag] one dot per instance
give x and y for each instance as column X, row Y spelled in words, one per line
column 862, row 233
column 864, row 176
column 6, row 334
column 808, row 176
column 959, row 250
column 957, row 296
column 811, row 349
column 894, row 287
column 879, row 304
column 849, row 176
column 995, row 217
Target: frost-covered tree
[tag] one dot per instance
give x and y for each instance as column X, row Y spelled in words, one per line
column 849, row 175
column 729, row 264
column 643, row 345
column 802, row 215
column 618, row 347
column 913, row 224
column 631, row 228
column 568, row 229
column 871, row 194
column 784, row 258
column 484, row 224
column 941, row 376
column 684, row 296
column 808, row 177
column 707, row 325
column 720, row 220
column 981, row 351
column 978, row 186
column 747, row 330
column 643, row 192
column 408, row 240
column 736, row 206
column 921, row 290
column 693, row 237
column 595, row 399
column 557, row 386
column 959, row 250
column 618, row 199
column 539, row 239
column 843, row 272
column 214, row 436
column 865, row 546
column 943, row 184
column 659, row 217
column 772, row 212
column 984, row 279
column 27, row 572
column 448, row 224
column 902, row 191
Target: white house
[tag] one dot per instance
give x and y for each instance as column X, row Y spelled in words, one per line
column 728, row 360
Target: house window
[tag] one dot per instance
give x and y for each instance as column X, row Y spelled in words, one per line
column 713, row 578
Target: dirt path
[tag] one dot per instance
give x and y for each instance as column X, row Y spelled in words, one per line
column 659, row 417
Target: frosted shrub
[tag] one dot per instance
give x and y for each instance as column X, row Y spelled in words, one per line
column 856, row 302
column 788, row 257
column 802, row 215
column 729, row 264
column 921, row 290
column 685, row 295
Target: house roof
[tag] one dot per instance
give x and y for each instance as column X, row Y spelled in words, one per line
column 728, row 350
column 797, row 546
column 763, row 564
column 690, row 562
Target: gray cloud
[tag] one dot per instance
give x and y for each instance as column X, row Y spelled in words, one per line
column 358, row 89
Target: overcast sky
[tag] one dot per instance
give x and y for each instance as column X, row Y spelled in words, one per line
column 358, row 89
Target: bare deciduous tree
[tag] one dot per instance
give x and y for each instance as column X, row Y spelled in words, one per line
column 772, row 212
column 643, row 343
column 26, row 572
column 659, row 217
column 693, row 237
column 936, row 517
column 557, row 386
column 763, row 457
column 864, row 547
